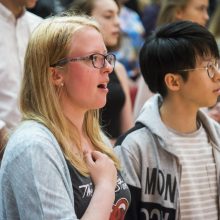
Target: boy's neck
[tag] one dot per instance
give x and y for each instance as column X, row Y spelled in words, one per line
column 179, row 117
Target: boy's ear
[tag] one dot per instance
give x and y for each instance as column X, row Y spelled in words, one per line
column 172, row 81
column 56, row 76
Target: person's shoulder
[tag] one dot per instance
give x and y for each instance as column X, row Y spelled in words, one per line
column 132, row 135
column 27, row 132
column 134, row 144
column 30, row 128
column 29, row 136
column 32, row 19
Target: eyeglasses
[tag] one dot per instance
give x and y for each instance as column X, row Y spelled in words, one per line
column 211, row 69
column 98, row 60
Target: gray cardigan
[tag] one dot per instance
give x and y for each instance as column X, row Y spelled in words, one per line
column 33, row 150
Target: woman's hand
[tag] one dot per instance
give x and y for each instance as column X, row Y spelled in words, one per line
column 104, row 176
column 102, row 169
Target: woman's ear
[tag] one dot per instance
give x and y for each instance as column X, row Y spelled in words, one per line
column 56, row 76
column 172, row 81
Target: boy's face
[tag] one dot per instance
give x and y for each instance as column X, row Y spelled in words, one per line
column 196, row 11
column 200, row 89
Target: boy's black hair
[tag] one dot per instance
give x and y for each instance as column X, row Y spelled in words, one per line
column 174, row 47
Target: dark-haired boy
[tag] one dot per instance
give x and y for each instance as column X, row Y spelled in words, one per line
column 171, row 158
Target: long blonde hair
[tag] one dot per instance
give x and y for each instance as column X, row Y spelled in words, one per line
column 39, row 98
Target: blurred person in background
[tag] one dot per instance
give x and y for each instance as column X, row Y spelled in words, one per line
column 46, row 8
column 16, row 25
column 214, row 25
column 132, row 36
column 134, row 5
column 131, row 40
column 192, row 10
column 116, row 116
column 149, row 16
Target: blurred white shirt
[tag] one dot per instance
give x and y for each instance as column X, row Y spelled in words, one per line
column 13, row 42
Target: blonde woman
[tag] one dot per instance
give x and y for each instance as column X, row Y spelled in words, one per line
column 57, row 164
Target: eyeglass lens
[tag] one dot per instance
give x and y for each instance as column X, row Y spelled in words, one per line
column 99, row 60
column 212, row 68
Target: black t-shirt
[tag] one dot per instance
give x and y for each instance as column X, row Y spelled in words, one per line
column 110, row 114
column 83, row 190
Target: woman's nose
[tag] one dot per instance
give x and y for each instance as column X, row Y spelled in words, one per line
column 108, row 67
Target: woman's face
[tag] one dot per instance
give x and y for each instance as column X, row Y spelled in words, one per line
column 106, row 13
column 196, row 11
column 84, row 86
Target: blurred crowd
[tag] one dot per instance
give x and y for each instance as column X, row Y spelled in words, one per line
column 136, row 20
column 124, row 26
